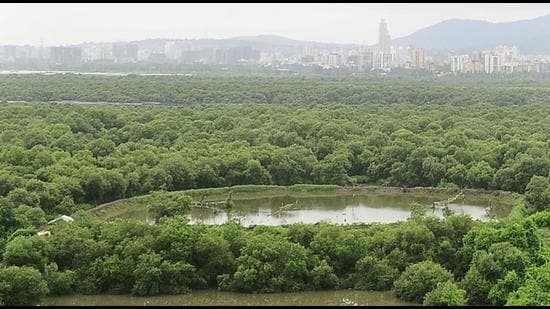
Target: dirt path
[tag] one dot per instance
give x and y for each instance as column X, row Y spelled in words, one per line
column 109, row 204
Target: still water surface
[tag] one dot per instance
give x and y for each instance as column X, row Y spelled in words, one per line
column 212, row 298
column 340, row 209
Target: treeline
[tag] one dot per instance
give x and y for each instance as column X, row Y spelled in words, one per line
column 273, row 89
column 213, row 70
column 57, row 157
column 451, row 261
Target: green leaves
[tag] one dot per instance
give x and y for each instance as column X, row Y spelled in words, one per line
column 536, row 289
column 27, row 251
column 96, row 154
column 537, row 193
column 445, row 294
column 162, row 204
column 412, row 257
column 272, row 264
column 374, row 275
column 61, row 158
column 21, row 286
column 419, row 279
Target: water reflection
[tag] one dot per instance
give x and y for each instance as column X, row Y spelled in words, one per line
column 340, row 209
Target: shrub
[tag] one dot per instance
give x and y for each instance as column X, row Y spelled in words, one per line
column 323, row 276
column 21, row 286
column 374, row 274
column 446, row 294
column 419, row 279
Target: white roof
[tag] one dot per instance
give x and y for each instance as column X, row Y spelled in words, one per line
column 64, row 218
column 44, row 233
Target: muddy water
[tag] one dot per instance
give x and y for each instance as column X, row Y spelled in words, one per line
column 213, row 298
column 341, row 209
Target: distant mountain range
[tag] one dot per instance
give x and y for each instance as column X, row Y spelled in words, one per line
column 257, row 41
column 275, row 40
column 530, row 36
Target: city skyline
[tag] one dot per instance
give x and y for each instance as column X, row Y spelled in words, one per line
column 382, row 57
column 326, row 23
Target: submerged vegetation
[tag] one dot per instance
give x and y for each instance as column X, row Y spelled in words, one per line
column 65, row 159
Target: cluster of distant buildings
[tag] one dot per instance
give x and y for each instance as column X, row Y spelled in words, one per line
column 171, row 52
column 384, row 57
column 502, row 59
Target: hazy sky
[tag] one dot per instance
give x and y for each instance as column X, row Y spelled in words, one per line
column 340, row 23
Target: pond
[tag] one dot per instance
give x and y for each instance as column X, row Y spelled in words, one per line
column 212, row 298
column 340, row 209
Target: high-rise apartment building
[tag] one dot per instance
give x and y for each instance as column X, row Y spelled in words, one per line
column 220, row 56
column 307, row 59
column 334, row 59
column 384, row 41
column 173, row 50
column 418, row 58
column 8, row 53
column 456, row 65
column 385, row 57
column 491, row 63
column 506, row 53
column 65, row 55
column 366, row 60
column 241, row 54
column 462, row 63
column 466, row 64
column 125, row 52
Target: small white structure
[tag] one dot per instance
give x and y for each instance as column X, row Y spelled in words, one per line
column 44, row 233
column 63, row 217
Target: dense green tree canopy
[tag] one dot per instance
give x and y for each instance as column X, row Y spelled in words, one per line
column 21, row 286
column 419, row 279
column 445, row 294
column 233, row 130
column 128, row 151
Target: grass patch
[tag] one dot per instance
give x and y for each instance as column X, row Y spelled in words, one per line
column 126, row 210
column 198, row 193
column 518, row 211
column 313, row 188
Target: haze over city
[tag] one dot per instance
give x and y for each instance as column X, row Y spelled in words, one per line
column 62, row 24
column 356, row 38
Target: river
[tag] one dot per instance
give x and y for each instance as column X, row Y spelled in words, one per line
column 213, row 298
